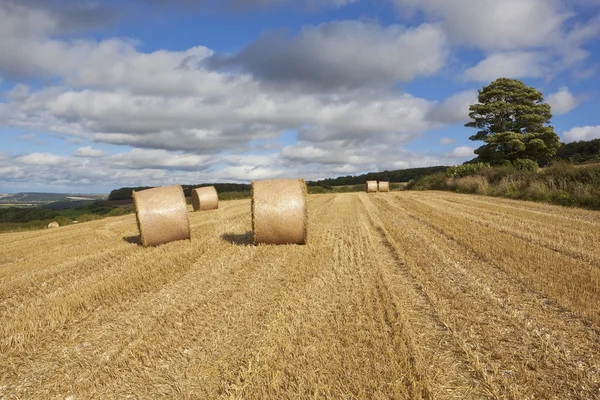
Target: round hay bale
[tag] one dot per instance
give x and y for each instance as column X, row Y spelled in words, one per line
column 161, row 215
column 279, row 213
column 205, row 198
column 371, row 186
column 384, row 186
column 53, row 224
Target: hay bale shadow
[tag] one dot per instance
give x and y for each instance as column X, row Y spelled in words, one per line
column 137, row 239
column 243, row 239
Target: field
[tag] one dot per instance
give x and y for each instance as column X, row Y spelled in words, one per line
column 403, row 295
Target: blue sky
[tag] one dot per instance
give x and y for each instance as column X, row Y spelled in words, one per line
column 105, row 94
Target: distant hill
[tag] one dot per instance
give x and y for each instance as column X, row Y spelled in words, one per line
column 38, row 199
column 401, row 175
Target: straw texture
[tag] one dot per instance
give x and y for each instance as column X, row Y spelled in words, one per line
column 162, row 215
column 279, row 213
column 53, row 224
column 371, row 186
column 205, row 198
column 384, row 186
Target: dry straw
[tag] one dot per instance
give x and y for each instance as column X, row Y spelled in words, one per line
column 53, row 224
column 205, row 198
column 384, row 186
column 279, row 212
column 162, row 215
column 371, row 186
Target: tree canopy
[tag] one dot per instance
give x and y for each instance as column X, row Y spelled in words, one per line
column 513, row 121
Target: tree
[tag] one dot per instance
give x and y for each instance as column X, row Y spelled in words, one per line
column 512, row 119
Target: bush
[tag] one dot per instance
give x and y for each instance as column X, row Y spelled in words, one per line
column 459, row 171
column 234, row 195
column 538, row 191
column 118, row 211
column 435, row 181
column 316, row 189
column 471, row 184
column 62, row 221
column 525, row 165
column 89, row 217
column 562, row 183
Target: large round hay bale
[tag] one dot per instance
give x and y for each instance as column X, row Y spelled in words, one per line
column 371, row 186
column 161, row 215
column 53, row 224
column 205, row 198
column 384, row 186
column 279, row 212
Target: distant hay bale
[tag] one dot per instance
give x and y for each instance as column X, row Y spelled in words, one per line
column 384, row 186
column 53, row 224
column 279, row 212
column 161, row 215
column 205, row 198
column 371, row 186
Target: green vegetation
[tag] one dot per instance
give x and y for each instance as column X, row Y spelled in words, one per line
column 18, row 218
column 512, row 120
column 402, row 175
column 127, row 192
column 96, row 208
column 562, row 183
column 347, row 188
column 21, row 215
column 580, row 152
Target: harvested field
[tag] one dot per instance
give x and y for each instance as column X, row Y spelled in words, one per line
column 402, row 295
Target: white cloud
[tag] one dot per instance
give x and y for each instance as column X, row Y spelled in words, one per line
column 308, row 153
column 446, row 141
column 345, row 54
column 88, row 151
column 455, row 108
column 518, row 34
column 159, row 159
column 462, row 152
column 495, row 25
column 43, row 159
column 518, row 64
column 582, row 133
column 562, row 101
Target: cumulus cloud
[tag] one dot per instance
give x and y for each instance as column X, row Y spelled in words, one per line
column 582, row 133
column 518, row 64
column 461, row 152
column 521, row 35
column 346, row 54
column 495, row 25
column 88, row 151
column 562, row 101
column 159, row 159
column 43, row 159
column 455, row 108
column 446, row 141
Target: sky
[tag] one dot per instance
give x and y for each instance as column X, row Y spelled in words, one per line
column 97, row 95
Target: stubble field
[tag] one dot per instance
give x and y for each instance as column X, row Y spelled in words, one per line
column 407, row 295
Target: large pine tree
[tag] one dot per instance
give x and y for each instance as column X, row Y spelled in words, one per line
column 513, row 121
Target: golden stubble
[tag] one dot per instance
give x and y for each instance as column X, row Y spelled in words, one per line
column 405, row 295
